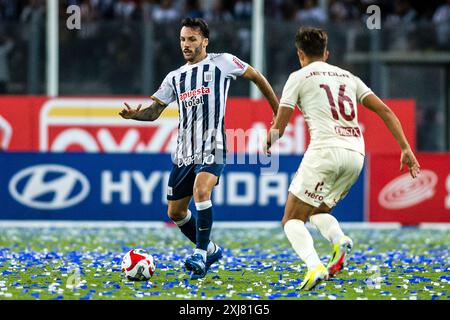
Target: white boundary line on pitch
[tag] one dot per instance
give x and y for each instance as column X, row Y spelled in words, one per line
column 160, row 224
column 79, row 224
column 371, row 225
column 435, row 226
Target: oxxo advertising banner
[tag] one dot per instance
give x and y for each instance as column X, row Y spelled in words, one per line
column 81, row 186
column 93, row 125
column 395, row 196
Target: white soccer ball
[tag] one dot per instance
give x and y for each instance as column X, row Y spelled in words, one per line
column 138, row 265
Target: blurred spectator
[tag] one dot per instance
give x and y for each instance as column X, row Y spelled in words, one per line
column 218, row 12
column 165, row 12
column 403, row 13
column 342, row 10
column 401, row 24
column 288, row 10
column 311, row 13
column 6, row 45
column 148, row 6
column 243, row 9
column 9, row 10
column 302, row 10
column 193, row 9
column 89, row 18
column 442, row 13
column 272, row 9
column 32, row 6
column 33, row 12
column 105, row 8
column 338, row 11
column 125, row 9
column 441, row 20
column 121, row 52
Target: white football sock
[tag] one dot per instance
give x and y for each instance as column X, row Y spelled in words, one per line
column 202, row 252
column 328, row 226
column 302, row 242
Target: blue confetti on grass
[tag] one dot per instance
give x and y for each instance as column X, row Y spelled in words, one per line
column 399, row 262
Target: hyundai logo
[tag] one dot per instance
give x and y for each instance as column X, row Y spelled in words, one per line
column 49, row 187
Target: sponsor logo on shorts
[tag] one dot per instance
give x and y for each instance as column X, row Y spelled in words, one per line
column 319, row 186
column 314, row 196
column 404, row 192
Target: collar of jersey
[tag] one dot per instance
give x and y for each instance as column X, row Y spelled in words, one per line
column 187, row 65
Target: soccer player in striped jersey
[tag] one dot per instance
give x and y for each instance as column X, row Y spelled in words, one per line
column 200, row 88
column 327, row 95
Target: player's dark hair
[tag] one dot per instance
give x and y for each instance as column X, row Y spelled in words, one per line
column 196, row 23
column 312, row 41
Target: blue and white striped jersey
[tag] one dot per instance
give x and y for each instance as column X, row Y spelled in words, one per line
column 201, row 92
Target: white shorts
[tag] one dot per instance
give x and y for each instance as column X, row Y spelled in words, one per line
column 326, row 175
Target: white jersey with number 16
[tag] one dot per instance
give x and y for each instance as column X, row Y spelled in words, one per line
column 327, row 96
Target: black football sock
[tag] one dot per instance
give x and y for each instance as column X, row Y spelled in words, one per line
column 204, row 223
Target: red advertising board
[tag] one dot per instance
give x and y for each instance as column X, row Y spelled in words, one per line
column 93, row 125
column 19, row 121
column 256, row 114
column 396, row 197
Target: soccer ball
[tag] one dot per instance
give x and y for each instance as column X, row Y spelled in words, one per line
column 138, row 265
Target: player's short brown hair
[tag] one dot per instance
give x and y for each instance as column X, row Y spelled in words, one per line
column 312, row 41
column 196, row 23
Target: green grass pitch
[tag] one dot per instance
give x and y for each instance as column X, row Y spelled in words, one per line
column 258, row 264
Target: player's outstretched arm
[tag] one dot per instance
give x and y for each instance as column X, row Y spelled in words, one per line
column 148, row 114
column 375, row 104
column 264, row 86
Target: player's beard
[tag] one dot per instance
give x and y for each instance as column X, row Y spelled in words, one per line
column 195, row 54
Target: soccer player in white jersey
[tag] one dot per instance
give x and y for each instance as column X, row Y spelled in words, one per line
column 327, row 96
column 200, row 88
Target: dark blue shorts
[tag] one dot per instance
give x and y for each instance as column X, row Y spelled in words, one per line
column 181, row 180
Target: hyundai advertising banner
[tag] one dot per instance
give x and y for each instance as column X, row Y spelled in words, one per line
column 87, row 186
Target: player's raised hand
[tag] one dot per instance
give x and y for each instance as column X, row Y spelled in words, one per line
column 128, row 112
column 408, row 158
